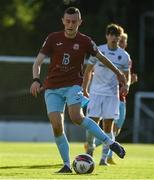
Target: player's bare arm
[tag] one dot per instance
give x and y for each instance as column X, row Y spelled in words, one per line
column 87, row 79
column 36, row 85
column 125, row 89
column 120, row 76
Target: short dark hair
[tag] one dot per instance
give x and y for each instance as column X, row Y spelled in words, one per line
column 73, row 10
column 114, row 29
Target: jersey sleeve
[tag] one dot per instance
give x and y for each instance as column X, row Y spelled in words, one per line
column 92, row 48
column 47, row 46
column 127, row 65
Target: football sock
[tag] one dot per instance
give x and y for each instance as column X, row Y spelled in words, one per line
column 98, row 142
column 90, row 140
column 63, row 147
column 105, row 149
column 94, row 129
column 111, row 152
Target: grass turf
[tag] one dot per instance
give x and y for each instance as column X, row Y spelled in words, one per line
column 42, row 160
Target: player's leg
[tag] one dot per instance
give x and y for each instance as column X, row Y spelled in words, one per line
column 118, row 123
column 77, row 117
column 93, row 111
column 108, row 129
column 90, row 140
column 110, row 112
column 97, row 141
column 122, row 116
column 89, row 144
column 110, row 159
column 88, row 124
column 110, row 154
column 55, row 107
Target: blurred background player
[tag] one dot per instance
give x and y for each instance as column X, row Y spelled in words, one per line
column 118, row 123
column 104, row 88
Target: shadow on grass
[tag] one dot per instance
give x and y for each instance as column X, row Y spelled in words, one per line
column 38, row 167
column 32, row 166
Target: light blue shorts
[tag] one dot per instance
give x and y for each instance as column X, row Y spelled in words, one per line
column 56, row 99
column 122, row 115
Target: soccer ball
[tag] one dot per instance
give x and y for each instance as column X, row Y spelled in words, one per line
column 83, row 164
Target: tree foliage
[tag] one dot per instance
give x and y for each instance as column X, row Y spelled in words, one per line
column 24, row 24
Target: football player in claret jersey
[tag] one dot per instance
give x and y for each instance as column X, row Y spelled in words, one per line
column 67, row 50
column 104, row 88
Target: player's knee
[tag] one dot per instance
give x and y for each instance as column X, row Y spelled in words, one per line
column 108, row 126
column 107, row 129
column 57, row 129
column 76, row 118
column 57, row 132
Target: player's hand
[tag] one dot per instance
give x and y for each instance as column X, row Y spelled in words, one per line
column 134, row 78
column 124, row 90
column 121, row 78
column 36, row 88
column 86, row 94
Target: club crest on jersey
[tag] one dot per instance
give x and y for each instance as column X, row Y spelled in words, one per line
column 76, row 46
column 119, row 57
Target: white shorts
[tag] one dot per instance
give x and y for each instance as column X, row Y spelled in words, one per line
column 105, row 107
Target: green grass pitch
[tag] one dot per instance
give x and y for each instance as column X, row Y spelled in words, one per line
column 41, row 161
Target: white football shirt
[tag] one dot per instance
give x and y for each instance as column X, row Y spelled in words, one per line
column 105, row 81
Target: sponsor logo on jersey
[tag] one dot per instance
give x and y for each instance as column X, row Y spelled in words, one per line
column 111, row 53
column 59, row 43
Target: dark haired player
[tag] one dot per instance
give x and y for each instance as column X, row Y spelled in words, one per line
column 62, row 85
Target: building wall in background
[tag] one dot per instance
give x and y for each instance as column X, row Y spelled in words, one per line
column 37, row 132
